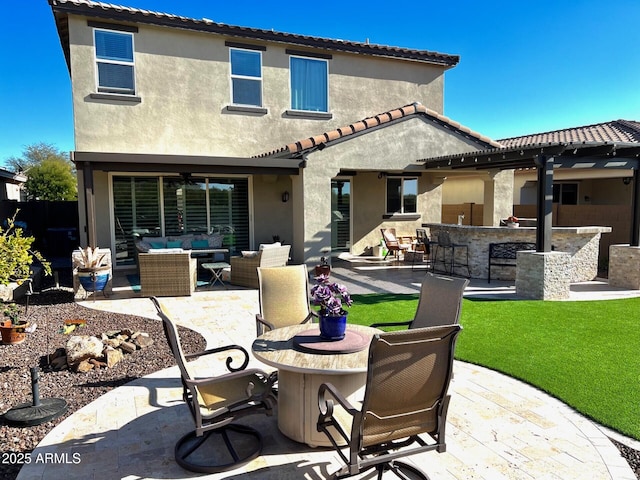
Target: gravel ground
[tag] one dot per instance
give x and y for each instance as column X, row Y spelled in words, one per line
column 49, row 310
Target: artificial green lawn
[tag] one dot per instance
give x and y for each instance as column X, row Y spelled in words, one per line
column 585, row 353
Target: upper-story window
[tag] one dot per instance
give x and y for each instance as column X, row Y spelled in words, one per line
column 114, row 62
column 402, row 195
column 309, row 84
column 246, row 77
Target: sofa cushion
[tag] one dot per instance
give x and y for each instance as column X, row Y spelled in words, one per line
column 174, row 244
column 249, row 253
column 158, row 244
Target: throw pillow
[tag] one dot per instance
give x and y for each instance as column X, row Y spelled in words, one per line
column 199, row 244
column 157, row 244
column 174, row 244
column 215, row 240
column 143, row 246
column 249, row 253
column 270, row 245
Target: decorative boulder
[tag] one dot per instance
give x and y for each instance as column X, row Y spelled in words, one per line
column 83, row 347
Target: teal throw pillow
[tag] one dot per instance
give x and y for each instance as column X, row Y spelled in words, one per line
column 196, row 244
column 157, row 244
column 176, row 244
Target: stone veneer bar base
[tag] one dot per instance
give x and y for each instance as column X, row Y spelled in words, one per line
column 543, row 275
column 624, row 266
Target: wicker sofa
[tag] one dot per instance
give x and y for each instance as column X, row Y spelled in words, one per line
column 167, row 274
column 244, row 270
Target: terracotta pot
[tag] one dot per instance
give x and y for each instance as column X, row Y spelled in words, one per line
column 13, row 334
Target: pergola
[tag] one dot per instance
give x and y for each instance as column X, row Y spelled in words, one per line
column 545, row 158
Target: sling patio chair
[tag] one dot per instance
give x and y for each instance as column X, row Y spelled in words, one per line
column 215, row 402
column 405, row 404
column 393, row 244
column 440, row 303
column 283, row 294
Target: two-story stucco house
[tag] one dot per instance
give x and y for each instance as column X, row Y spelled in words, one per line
column 187, row 125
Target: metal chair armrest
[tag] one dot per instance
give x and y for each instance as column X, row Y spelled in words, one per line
column 229, row 361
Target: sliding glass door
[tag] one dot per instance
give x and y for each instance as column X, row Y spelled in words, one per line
column 172, row 206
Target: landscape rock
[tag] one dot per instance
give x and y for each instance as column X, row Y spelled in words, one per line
column 83, row 347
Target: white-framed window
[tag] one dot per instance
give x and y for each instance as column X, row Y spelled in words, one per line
column 114, row 62
column 246, row 77
column 309, row 79
column 402, row 195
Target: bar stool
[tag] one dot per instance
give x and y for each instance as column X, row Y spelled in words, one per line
column 424, row 246
column 446, row 245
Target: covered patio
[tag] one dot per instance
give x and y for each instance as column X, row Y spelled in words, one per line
column 545, row 158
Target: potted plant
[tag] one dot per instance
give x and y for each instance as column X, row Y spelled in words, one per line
column 332, row 298
column 13, row 330
column 93, row 270
column 512, row 222
column 17, row 258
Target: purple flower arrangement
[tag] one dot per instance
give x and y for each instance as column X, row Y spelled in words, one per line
column 331, row 297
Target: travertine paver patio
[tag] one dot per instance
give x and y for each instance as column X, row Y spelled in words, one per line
column 498, row 428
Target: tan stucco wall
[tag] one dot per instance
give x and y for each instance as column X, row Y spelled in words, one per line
column 183, row 81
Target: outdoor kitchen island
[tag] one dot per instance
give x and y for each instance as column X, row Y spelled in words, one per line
column 576, row 249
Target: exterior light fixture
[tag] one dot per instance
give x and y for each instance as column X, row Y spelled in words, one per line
column 285, row 196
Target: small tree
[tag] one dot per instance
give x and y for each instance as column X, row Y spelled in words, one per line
column 50, row 174
column 52, row 179
column 16, row 256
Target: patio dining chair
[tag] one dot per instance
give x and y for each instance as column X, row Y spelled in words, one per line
column 283, row 294
column 215, row 402
column 405, row 404
column 440, row 303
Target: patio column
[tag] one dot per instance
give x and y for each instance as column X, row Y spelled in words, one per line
column 498, row 197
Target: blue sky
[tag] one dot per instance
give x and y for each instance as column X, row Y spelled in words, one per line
column 526, row 66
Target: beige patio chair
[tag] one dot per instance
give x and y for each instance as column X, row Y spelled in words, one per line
column 440, row 303
column 283, row 297
column 215, row 402
column 392, row 242
column 404, row 410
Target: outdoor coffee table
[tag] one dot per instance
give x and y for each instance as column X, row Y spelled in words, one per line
column 216, row 269
column 304, row 364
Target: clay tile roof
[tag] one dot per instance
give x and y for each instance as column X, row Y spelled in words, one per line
column 122, row 13
column 625, row 131
column 383, row 119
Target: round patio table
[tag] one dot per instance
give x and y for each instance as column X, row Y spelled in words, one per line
column 301, row 372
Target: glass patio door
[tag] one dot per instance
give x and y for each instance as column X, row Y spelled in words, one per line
column 341, row 215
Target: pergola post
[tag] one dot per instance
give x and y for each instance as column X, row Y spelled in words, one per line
column 635, row 211
column 544, row 206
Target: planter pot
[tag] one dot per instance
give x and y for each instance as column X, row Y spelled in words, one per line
column 93, row 279
column 333, row 327
column 322, row 270
column 13, row 334
column 513, row 225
